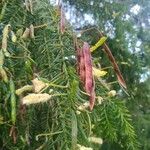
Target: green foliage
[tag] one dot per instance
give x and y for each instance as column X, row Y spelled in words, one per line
column 56, row 124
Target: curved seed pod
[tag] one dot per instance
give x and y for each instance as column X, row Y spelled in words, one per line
column 13, row 101
column 99, row 43
column 26, row 88
column 89, row 81
column 114, row 64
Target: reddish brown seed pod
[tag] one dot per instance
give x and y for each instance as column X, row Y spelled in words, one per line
column 89, row 81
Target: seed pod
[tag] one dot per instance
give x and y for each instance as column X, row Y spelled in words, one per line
column 13, row 101
column 89, row 80
column 26, row 33
column 98, row 44
column 4, row 40
column 32, row 31
column 26, row 88
column 114, row 64
column 36, row 98
column 13, row 37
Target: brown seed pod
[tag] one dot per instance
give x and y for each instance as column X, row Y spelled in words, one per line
column 89, row 79
column 114, row 64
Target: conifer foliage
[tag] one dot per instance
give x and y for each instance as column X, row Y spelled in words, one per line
column 43, row 105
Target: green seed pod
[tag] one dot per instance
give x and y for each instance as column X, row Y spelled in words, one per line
column 13, row 101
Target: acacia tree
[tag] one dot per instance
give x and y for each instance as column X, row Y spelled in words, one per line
column 127, row 24
column 43, row 104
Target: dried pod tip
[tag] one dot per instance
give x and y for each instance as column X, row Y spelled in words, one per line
column 92, row 100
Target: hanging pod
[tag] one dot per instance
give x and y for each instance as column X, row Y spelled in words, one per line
column 89, row 79
column 13, row 101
